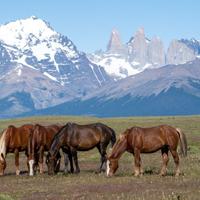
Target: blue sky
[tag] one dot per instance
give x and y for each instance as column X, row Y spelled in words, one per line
column 88, row 23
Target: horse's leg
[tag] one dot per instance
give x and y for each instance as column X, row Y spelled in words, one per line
column 41, row 157
column 17, row 161
column 68, row 157
column 137, row 161
column 165, row 158
column 71, row 162
column 75, row 157
column 66, row 162
column 27, row 161
column 102, row 150
column 140, row 168
column 176, row 160
column 36, row 160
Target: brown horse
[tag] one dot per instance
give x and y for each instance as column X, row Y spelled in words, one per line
column 40, row 141
column 73, row 137
column 138, row 140
column 14, row 140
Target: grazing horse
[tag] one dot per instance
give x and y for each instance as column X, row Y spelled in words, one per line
column 73, row 137
column 40, row 141
column 14, row 140
column 138, row 140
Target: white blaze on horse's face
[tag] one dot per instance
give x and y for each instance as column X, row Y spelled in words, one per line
column 108, row 168
column 31, row 162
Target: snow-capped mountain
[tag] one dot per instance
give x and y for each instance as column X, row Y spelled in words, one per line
column 33, row 43
column 32, row 48
column 42, row 72
column 140, row 53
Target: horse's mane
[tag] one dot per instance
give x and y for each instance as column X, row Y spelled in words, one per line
column 56, row 138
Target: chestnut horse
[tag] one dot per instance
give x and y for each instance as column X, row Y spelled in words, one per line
column 138, row 140
column 73, row 137
column 14, row 140
column 40, row 141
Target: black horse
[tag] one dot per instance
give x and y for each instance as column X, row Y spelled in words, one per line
column 73, row 137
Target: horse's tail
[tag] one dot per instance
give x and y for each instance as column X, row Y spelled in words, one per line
column 183, row 142
column 113, row 137
column 30, row 139
column 3, row 143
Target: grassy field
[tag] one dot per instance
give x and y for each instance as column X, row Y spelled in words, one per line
column 88, row 185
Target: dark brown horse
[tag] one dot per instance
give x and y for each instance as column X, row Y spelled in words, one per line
column 14, row 140
column 73, row 137
column 40, row 141
column 138, row 140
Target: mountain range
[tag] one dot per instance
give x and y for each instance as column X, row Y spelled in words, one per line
column 43, row 72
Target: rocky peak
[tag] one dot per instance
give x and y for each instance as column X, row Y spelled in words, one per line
column 19, row 32
column 179, row 53
column 114, row 44
column 156, row 52
column 137, row 47
column 192, row 44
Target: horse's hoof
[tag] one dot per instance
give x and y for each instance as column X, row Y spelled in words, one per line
column 162, row 174
column 136, row 175
column 17, row 172
column 141, row 175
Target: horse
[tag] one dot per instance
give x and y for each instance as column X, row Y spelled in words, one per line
column 40, row 141
column 73, row 137
column 14, row 140
column 138, row 140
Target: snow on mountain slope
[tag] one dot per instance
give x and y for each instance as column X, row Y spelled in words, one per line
column 33, row 35
column 24, row 32
column 44, row 65
column 115, row 65
column 33, row 43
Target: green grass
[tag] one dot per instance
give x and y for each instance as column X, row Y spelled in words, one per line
column 88, row 185
column 5, row 197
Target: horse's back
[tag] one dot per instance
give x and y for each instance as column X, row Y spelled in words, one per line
column 83, row 137
column 17, row 137
column 151, row 139
column 43, row 135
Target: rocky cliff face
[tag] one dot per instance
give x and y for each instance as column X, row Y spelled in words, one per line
column 137, row 47
column 115, row 44
column 156, row 52
column 179, row 53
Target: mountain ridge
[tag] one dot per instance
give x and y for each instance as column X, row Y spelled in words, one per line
column 46, row 69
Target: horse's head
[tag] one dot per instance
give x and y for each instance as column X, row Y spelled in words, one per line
column 2, row 164
column 112, row 166
column 118, row 149
column 53, row 163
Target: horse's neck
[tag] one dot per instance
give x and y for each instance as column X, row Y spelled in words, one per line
column 55, row 147
column 118, row 150
column 3, row 144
